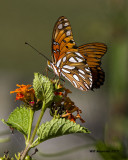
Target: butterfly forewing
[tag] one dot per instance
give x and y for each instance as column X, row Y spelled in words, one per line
column 62, row 39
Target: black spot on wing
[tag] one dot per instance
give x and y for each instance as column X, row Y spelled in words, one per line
column 74, row 47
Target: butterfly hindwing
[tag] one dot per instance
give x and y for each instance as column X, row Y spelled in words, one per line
column 98, row 77
column 79, row 77
column 76, row 70
column 93, row 52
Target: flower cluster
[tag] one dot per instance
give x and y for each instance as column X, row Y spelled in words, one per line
column 63, row 105
column 27, row 95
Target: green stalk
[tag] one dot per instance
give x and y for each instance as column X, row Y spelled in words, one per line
column 29, row 146
column 30, row 125
column 35, row 143
column 38, row 123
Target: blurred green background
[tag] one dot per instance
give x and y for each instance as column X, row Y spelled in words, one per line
column 106, row 109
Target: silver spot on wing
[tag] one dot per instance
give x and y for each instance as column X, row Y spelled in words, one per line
column 68, row 33
column 64, row 59
column 87, row 70
column 68, row 52
column 79, row 60
column 60, row 26
column 64, row 70
column 66, row 24
column 79, row 54
column 75, row 83
column 68, row 67
column 86, row 85
column 65, row 19
column 81, row 71
column 58, row 63
column 76, row 77
column 81, row 88
column 72, row 59
column 55, row 70
column 81, row 76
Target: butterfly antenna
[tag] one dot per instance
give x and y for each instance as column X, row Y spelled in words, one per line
column 37, row 51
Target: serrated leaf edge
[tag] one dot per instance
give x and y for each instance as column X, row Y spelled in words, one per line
column 50, row 133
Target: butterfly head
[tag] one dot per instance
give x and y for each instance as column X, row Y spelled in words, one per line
column 54, row 67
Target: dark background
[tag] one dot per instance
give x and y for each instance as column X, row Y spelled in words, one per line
column 104, row 110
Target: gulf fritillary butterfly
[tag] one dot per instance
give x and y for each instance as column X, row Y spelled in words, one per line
column 79, row 65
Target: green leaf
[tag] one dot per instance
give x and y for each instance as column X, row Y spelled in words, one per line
column 43, row 88
column 58, row 127
column 19, row 119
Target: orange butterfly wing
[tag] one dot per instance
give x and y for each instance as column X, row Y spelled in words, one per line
column 93, row 52
column 62, row 39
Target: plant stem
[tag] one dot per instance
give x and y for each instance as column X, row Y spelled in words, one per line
column 29, row 146
column 35, row 143
column 38, row 123
column 30, row 125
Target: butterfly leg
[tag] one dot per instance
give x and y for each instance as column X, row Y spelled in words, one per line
column 54, row 76
column 63, row 81
column 61, row 78
column 47, row 69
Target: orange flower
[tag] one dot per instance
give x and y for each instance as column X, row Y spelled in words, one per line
column 73, row 118
column 58, row 93
column 24, row 93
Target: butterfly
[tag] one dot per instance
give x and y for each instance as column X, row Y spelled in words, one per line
column 79, row 65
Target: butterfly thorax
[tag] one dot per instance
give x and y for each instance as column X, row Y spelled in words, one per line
column 55, row 68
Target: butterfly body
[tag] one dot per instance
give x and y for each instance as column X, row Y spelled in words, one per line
column 79, row 65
